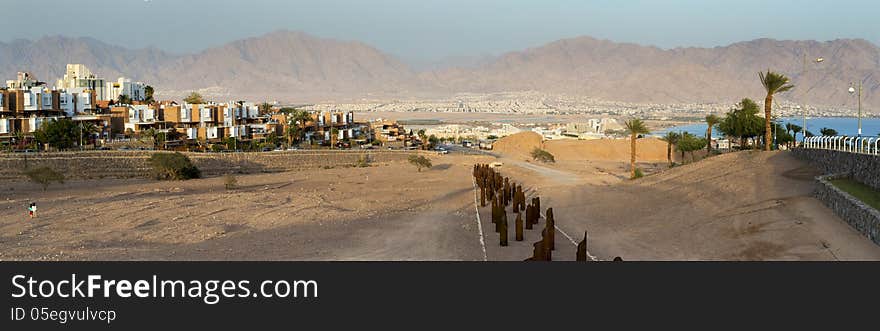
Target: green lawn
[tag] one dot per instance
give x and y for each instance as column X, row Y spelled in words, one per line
column 861, row 191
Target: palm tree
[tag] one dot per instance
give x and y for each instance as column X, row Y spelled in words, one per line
column 151, row 132
column 296, row 124
column 773, row 83
column 711, row 122
column 671, row 138
column 634, row 127
column 793, row 129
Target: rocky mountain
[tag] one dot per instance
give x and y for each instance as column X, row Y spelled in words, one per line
column 292, row 66
column 629, row 72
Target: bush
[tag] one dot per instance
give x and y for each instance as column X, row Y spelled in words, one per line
column 44, row 176
column 543, row 156
column 363, row 161
column 173, row 166
column 229, row 181
column 420, row 162
column 639, row 174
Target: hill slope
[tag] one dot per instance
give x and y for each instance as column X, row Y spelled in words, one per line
column 295, row 66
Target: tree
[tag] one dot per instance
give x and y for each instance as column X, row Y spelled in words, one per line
column 123, row 99
column 781, row 135
column 265, row 107
column 542, row 156
column 634, row 127
column 148, row 94
column 62, row 133
column 689, row 143
column 793, row 129
column 773, row 83
column 44, row 176
column 151, row 133
column 272, row 139
column 433, row 141
column 194, row 98
column 173, row 166
column 711, row 121
column 296, row 123
column 671, row 138
column 173, row 135
column 420, row 161
column 742, row 122
column 828, row 132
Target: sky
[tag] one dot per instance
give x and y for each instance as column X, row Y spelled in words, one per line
column 426, row 30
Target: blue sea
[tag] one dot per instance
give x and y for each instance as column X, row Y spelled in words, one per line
column 844, row 125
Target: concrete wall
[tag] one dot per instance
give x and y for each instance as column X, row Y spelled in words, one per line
column 861, row 167
column 120, row 164
column 860, row 216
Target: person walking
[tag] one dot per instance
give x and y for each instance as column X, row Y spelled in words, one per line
column 32, row 209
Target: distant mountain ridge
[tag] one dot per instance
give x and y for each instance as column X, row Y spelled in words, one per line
column 292, row 66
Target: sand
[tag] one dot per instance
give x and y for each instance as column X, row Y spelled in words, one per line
column 739, row 206
column 384, row 212
column 520, row 145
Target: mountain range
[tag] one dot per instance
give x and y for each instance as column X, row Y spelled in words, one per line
column 296, row 67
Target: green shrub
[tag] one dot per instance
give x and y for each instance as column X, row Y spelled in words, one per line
column 420, row 161
column 542, row 155
column 44, row 176
column 173, row 166
column 230, row 181
column 639, row 174
column 363, row 161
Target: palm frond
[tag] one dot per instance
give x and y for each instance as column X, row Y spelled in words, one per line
column 636, row 126
column 774, row 82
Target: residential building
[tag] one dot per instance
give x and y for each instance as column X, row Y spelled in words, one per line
column 124, row 86
column 78, row 76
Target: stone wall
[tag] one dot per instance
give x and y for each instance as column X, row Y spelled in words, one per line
column 125, row 164
column 861, row 167
column 860, row 216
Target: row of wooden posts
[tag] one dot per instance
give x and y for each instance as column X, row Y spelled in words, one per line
column 501, row 193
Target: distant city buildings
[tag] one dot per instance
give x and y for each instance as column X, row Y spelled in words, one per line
column 26, row 104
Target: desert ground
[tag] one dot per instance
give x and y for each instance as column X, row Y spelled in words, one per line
column 737, row 206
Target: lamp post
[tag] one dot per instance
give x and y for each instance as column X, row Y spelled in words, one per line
column 817, row 60
column 852, row 90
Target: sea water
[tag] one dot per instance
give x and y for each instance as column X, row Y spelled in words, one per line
column 847, row 126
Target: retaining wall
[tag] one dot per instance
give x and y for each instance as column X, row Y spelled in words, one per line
column 861, row 167
column 860, row 216
column 131, row 164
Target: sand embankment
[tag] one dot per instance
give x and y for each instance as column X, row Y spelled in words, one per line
column 521, row 144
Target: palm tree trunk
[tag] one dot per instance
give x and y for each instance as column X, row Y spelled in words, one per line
column 709, row 140
column 632, row 157
column 768, row 136
column 669, row 153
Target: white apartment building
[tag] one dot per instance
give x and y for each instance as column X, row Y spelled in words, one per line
column 124, row 86
column 5, row 125
column 79, row 76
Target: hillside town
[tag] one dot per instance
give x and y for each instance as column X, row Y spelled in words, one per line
column 112, row 112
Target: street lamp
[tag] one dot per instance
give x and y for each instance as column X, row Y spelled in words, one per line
column 852, row 90
column 817, row 60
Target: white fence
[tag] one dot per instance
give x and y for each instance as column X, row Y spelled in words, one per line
column 863, row 145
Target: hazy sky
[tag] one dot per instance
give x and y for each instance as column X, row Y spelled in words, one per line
column 432, row 29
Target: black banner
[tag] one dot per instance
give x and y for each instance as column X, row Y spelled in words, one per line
column 417, row 295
